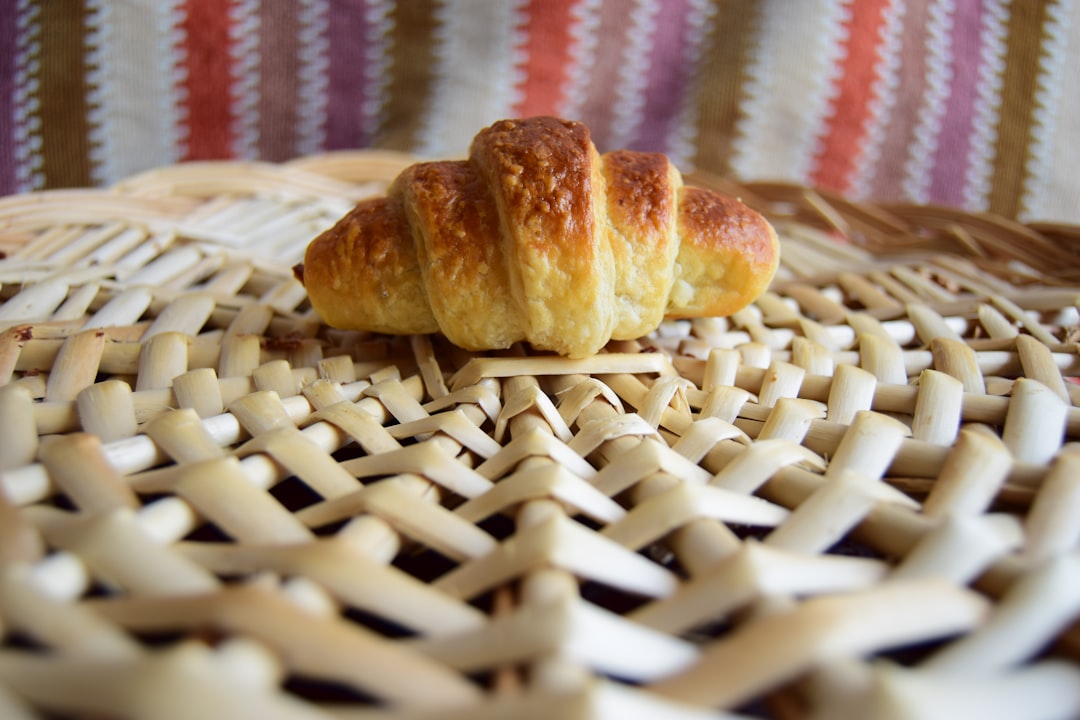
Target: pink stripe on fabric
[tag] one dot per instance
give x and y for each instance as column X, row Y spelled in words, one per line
column 888, row 179
column 667, row 78
column 8, row 72
column 954, row 147
column 347, row 86
column 277, row 101
column 598, row 110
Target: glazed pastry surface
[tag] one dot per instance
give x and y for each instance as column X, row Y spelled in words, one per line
column 537, row 237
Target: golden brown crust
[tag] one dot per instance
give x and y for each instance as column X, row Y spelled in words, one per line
column 455, row 231
column 727, row 255
column 537, row 237
column 642, row 202
column 362, row 274
column 545, row 179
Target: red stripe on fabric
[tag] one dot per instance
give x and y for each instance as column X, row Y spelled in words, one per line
column 347, row 78
column 835, row 162
column 668, row 80
column 207, row 80
column 547, row 55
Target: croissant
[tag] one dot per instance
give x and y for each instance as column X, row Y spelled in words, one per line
column 537, row 237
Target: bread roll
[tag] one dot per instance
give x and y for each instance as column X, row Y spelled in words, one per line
column 536, row 237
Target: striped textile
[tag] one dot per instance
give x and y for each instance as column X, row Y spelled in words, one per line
column 969, row 103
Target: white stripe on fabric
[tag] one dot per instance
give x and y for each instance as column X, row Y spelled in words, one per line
column 245, row 56
column 979, row 174
column 634, row 73
column 1050, row 190
column 919, row 164
column 98, row 20
column 28, row 174
column 681, row 144
column 378, row 60
column 134, row 86
column 584, row 25
column 314, row 59
column 477, row 60
column 790, row 88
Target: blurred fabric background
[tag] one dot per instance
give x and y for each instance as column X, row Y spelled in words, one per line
column 968, row 103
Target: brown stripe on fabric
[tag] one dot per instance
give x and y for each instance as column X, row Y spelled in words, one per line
column 61, row 94
column 411, row 74
column 720, row 84
column 279, row 102
column 1026, row 36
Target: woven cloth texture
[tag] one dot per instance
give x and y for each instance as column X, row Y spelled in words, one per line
column 965, row 103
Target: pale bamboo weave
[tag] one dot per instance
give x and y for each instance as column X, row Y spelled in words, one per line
column 859, row 497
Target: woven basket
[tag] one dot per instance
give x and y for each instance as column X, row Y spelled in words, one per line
column 859, row 497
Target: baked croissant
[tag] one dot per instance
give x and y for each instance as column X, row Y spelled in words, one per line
column 537, row 237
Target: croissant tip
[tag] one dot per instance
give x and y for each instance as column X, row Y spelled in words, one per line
column 298, row 272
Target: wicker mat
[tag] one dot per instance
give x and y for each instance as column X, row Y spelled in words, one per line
column 859, row 497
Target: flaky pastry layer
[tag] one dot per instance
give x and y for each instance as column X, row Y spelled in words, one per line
column 537, row 237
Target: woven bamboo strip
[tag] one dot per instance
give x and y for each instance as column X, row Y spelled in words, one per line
column 204, row 488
